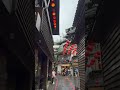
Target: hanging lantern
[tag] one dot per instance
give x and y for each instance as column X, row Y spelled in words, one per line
column 54, row 17
column 96, row 56
column 91, row 63
column 89, row 48
column 52, row 4
column 54, row 21
column 71, row 47
column 68, row 52
column 87, row 65
column 66, row 45
column 55, row 26
column 53, row 13
column 98, row 53
column 93, row 60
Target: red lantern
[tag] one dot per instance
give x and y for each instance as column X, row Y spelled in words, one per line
column 55, row 26
column 98, row 53
column 96, row 56
column 87, row 65
column 54, row 17
column 68, row 52
column 54, row 21
column 53, row 4
column 53, row 13
column 71, row 47
column 89, row 48
column 91, row 63
column 93, row 60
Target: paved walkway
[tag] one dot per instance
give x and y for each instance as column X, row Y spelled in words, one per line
column 65, row 83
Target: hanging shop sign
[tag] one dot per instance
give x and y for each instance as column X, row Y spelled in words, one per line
column 54, row 16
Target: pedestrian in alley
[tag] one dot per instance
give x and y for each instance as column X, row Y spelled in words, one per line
column 53, row 76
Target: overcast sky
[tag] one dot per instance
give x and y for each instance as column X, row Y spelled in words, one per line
column 67, row 13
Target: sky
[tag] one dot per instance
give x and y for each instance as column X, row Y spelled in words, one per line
column 66, row 17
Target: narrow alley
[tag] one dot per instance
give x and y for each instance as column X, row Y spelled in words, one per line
column 59, row 45
column 65, row 83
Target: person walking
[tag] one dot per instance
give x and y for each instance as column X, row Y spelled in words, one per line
column 53, row 76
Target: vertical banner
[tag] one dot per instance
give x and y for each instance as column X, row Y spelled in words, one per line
column 54, row 16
